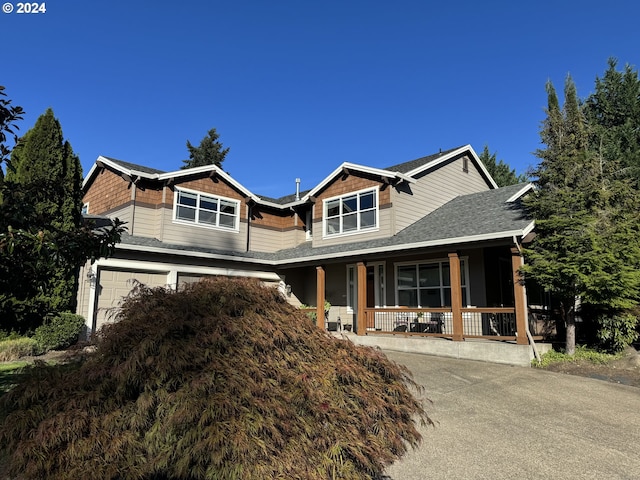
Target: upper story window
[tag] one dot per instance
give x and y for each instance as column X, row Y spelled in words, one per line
column 351, row 213
column 207, row 210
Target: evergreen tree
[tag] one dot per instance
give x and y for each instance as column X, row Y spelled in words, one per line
column 499, row 170
column 613, row 112
column 39, row 244
column 9, row 114
column 583, row 252
column 561, row 254
column 47, row 180
column 209, row 152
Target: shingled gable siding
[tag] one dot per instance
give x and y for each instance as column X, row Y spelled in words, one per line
column 434, row 189
column 108, row 192
column 353, row 183
column 200, row 236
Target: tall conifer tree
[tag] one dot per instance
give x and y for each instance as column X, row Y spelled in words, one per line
column 499, row 170
column 48, row 171
column 209, row 152
column 562, row 251
column 613, row 113
column 586, row 247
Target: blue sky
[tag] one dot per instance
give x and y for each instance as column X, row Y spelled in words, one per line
column 297, row 87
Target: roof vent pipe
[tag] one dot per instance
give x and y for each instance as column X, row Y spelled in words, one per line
column 297, row 189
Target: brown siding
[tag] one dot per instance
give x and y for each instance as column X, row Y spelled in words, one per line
column 149, row 196
column 107, row 192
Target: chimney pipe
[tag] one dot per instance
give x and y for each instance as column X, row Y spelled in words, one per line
column 297, row 189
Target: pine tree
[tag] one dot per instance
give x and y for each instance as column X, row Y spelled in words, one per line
column 562, row 253
column 49, row 176
column 586, row 250
column 499, row 170
column 209, row 152
column 613, row 112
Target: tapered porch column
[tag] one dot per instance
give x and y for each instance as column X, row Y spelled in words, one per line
column 320, row 275
column 520, row 297
column 362, row 298
column 456, row 296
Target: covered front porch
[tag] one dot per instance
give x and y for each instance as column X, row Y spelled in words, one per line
column 486, row 276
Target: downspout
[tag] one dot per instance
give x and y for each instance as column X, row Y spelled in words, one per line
column 133, row 206
column 249, row 209
column 529, row 336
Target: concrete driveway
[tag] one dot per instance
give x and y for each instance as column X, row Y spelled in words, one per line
column 503, row 422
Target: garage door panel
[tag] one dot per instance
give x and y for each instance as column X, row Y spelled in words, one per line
column 115, row 285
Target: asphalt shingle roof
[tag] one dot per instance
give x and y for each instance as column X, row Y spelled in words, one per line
column 418, row 162
column 133, row 166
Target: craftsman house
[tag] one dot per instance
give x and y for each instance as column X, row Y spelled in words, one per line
column 429, row 247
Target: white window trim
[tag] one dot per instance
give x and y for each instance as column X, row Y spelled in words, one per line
column 85, row 208
column 379, row 284
column 235, row 229
column 352, row 298
column 427, row 262
column 358, row 231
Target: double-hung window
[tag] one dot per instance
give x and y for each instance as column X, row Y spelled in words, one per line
column 428, row 284
column 207, row 210
column 351, row 213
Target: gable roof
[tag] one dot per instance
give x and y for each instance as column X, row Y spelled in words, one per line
column 138, row 171
column 489, row 215
column 411, row 165
column 134, row 167
column 401, row 172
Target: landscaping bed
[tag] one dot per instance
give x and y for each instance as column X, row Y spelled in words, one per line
column 624, row 370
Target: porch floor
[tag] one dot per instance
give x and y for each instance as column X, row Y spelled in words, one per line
column 471, row 349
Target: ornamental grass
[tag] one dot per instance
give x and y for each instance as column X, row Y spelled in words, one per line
column 220, row 380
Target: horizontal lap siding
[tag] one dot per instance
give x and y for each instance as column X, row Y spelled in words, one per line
column 199, row 236
column 433, row 190
column 195, row 236
column 148, row 221
column 270, row 232
column 84, row 291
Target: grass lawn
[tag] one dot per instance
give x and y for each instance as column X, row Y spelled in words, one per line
column 8, row 374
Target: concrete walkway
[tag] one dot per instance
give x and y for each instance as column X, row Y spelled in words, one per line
column 505, row 422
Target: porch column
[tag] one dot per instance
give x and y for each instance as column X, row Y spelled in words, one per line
column 320, row 297
column 520, row 297
column 362, row 298
column 456, row 296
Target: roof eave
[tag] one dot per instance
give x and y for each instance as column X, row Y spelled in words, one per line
column 507, row 234
column 449, row 156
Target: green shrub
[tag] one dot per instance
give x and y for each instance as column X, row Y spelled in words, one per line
column 59, row 333
column 314, row 315
column 582, row 353
column 12, row 335
column 616, row 332
column 18, row 347
column 222, row 379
